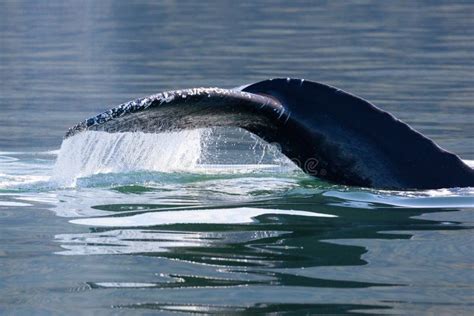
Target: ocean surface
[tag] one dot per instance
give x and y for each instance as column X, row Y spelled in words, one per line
column 216, row 221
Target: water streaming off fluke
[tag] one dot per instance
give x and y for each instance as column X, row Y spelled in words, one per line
column 98, row 152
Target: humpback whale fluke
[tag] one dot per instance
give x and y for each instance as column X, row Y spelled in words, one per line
column 327, row 132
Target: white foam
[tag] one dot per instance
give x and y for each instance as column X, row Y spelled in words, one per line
column 440, row 198
column 92, row 153
column 20, row 181
column 125, row 284
column 470, row 163
column 10, row 203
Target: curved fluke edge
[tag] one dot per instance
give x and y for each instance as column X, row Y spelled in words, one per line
column 327, row 132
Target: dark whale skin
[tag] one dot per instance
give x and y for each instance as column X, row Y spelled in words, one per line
column 328, row 133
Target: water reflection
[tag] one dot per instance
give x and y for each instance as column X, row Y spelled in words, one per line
column 257, row 309
column 265, row 240
column 247, row 245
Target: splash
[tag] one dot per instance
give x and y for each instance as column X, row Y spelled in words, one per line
column 92, row 153
column 195, row 151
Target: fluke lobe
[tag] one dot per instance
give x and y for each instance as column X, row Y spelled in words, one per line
column 327, row 132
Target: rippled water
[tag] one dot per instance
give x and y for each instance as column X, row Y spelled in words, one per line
column 215, row 221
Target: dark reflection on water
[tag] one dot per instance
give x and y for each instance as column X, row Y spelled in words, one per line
column 259, row 309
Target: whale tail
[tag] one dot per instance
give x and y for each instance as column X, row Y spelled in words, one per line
column 327, row 132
